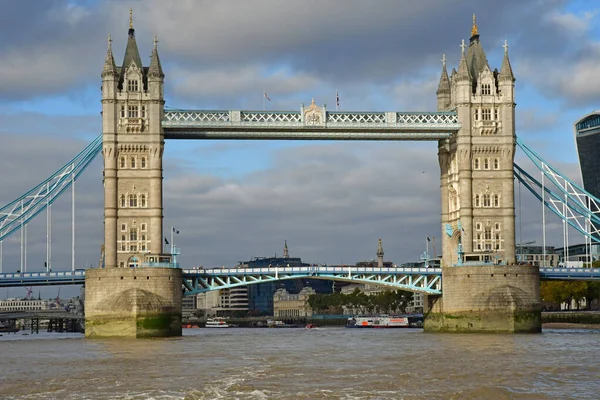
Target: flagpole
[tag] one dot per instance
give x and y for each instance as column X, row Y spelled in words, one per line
column 337, row 100
column 264, row 99
column 172, row 230
column 426, row 249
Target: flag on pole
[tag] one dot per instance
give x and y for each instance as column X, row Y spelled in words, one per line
column 337, row 99
column 166, row 241
column 267, row 97
column 428, row 239
column 176, row 231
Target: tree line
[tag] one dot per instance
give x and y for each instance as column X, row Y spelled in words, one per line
column 386, row 302
column 553, row 293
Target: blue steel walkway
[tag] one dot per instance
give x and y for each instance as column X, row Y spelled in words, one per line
column 424, row 280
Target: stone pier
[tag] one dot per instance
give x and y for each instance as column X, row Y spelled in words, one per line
column 493, row 298
column 133, row 302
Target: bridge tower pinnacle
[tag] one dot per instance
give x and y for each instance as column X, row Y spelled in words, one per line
column 476, row 165
column 133, row 142
column 379, row 254
column 286, row 253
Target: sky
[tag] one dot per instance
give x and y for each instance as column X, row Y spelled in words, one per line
column 233, row 200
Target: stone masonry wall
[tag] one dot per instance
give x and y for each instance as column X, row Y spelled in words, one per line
column 133, row 302
column 487, row 299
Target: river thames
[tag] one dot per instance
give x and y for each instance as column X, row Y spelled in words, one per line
column 323, row 363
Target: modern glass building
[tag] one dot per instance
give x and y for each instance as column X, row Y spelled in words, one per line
column 587, row 140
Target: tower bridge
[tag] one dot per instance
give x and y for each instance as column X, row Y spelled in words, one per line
column 474, row 126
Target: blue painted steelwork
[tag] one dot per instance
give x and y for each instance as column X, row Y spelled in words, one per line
column 76, row 277
column 313, row 123
column 574, row 205
column 23, row 209
column 570, row 274
column 424, row 280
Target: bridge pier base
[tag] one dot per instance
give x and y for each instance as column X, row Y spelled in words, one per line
column 133, row 302
column 496, row 299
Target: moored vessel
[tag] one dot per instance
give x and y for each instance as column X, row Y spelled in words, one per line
column 216, row 322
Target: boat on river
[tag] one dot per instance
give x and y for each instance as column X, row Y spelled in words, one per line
column 216, row 322
column 383, row 321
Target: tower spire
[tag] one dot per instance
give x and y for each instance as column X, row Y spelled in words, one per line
column 110, row 68
column 130, row 18
column 286, row 253
column 474, row 29
column 379, row 254
column 155, row 68
column 506, row 72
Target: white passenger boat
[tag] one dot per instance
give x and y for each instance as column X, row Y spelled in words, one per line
column 216, row 322
column 378, row 322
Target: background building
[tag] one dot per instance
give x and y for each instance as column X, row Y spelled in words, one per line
column 286, row 304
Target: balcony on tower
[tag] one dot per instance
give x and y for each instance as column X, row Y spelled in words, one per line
column 160, row 261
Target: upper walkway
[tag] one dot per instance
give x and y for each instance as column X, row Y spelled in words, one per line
column 313, row 123
column 424, row 280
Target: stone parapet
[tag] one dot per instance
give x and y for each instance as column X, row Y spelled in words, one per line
column 498, row 298
column 133, row 302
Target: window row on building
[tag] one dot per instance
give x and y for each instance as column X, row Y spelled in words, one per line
column 485, row 114
column 487, row 237
column 134, row 200
column 132, row 111
column 486, row 163
column 486, row 200
column 131, row 162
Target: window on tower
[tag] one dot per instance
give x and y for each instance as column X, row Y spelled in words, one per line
column 486, row 163
column 133, row 234
column 132, row 85
column 143, row 200
column 122, row 111
column 132, row 200
column 476, row 163
column 495, row 114
column 487, row 200
column 496, row 163
column 132, row 111
column 132, row 162
column 143, row 112
column 486, row 114
column 143, row 162
column 486, row 89
column 123, row 200
column 122, row 164
column 477, row 202
column 496, row 201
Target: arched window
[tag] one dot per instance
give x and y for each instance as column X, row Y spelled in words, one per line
column 122, row 111
column 477, row 204
column 132, row 162
column 122, row 200
column 133, row 234
column 476, row 163
column 496, row 201
column 486, row 163
column 122, row 162
column 486, row 200
column 143, row 162
column 142, row 200
column 133, row 200
column 496, row 163
column 488, row 234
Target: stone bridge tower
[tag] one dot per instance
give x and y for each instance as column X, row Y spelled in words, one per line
column 136, row 294
column 133, row 142
column 482, row 288
column 476, row 165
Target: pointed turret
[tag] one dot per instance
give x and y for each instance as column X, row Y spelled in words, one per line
column 476, row 58
column 463, row 73
column 286, row 253
column 155, row 69
column 110, row 68
column 379, row 254
column 506, row 73
column 443, row 91
column 131, row 51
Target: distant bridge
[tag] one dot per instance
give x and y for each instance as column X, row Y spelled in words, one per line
column 423, row 280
